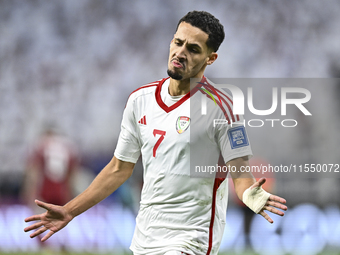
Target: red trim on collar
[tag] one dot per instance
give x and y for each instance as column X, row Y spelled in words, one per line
column 166, row 108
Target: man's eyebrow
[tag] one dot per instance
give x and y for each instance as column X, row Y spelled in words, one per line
column 190, row 44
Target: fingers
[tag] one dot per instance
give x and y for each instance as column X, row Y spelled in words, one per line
column 33, row 226
column 33, row 218
column 48, row 235
column 278, row 199
column 38, row 232
column 39, row 226
column 266, row 216
column 259, row 183
column 37, row 217
column 277, row 205
column 273, row 206
column 274, row 203
column 273, row 210
column 43, row 205
column 262, row 181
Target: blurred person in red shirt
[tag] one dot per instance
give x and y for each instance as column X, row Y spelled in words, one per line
column 51, row 165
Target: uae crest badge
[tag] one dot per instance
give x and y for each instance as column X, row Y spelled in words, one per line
column 182, row 124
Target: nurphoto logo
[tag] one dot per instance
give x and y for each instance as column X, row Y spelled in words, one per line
column 239, row 104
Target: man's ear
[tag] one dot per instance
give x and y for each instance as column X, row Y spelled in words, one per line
column 212, row 57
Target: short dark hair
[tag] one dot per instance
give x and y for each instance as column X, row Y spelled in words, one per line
column 208, row 24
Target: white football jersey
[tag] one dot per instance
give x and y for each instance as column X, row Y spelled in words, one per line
column 180, row 209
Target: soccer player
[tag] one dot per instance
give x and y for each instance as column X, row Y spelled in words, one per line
column 51, row 165
column 179, row 214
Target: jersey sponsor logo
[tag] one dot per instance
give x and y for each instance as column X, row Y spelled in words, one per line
column 182, row 124
column 238, row 137
column 142, row 120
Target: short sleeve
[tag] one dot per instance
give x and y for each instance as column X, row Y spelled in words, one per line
column 128, row 146
column 233, row 140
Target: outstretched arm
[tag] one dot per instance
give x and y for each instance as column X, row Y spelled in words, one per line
column 251, row 193
column 114, row 174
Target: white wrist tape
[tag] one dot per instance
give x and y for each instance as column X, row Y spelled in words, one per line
column 255, row 198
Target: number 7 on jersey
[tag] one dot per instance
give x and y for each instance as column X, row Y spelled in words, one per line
column 161, row 138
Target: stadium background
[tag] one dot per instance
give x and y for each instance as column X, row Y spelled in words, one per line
column 74, row 63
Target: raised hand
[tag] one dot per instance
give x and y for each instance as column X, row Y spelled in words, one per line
column 54, row 219
column 273, row 203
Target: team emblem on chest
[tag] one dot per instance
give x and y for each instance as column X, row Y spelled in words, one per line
column 182, row 124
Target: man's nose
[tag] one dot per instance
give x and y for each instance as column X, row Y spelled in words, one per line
column 181, row 52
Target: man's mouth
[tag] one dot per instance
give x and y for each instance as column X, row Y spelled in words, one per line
column 177, row 64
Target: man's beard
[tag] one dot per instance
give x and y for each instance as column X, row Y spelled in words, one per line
column 174, row 75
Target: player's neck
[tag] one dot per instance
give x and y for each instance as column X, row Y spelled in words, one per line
column 178, row 88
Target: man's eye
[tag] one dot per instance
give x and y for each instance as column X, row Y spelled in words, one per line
column 194, row 50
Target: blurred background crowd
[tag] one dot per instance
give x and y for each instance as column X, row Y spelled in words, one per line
column 70, row 66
